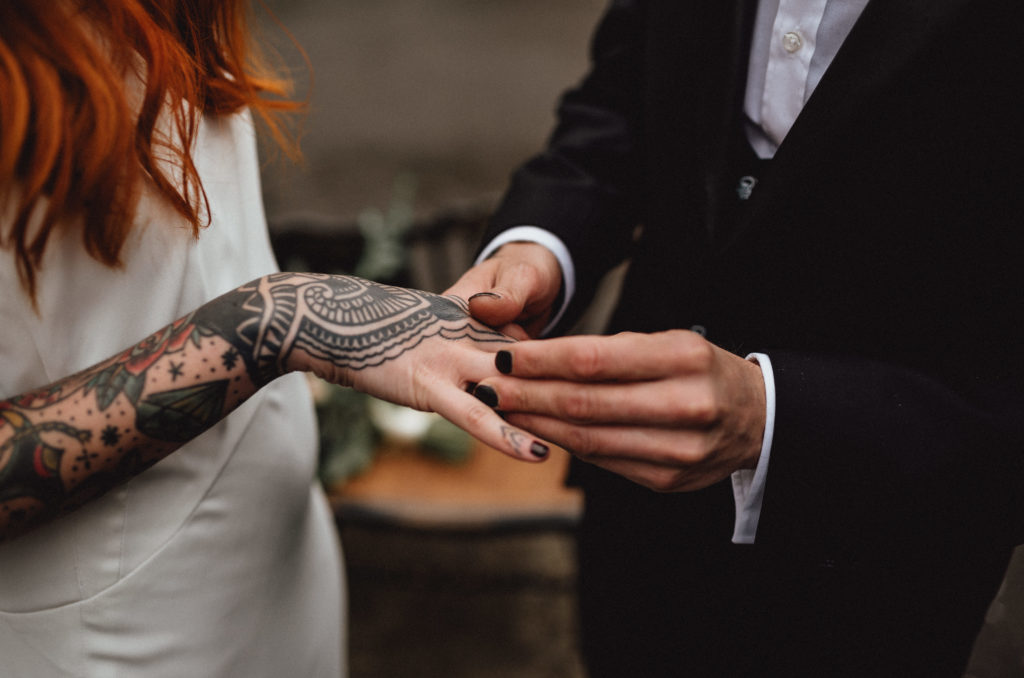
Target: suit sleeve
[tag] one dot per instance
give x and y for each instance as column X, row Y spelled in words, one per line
column 879, row 452
column 582, row 187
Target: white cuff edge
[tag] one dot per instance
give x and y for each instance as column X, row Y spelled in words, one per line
column 748, row 484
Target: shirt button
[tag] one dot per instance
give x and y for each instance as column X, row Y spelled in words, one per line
column 791, row 42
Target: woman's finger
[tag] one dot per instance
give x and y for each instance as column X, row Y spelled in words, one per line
column 484, row 424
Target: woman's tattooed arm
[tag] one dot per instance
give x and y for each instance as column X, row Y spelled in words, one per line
column 63, row 444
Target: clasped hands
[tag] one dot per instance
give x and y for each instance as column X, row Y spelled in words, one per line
column 668, row 410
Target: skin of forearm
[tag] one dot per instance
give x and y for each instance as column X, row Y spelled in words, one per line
column 71, row 441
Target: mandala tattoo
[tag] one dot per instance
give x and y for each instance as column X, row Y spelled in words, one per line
column 358, row 324
column 350, row 322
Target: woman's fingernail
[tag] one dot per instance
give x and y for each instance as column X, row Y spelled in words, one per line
column 485, row 294
column 503, row 361
column 487, row 395
column 539, row 450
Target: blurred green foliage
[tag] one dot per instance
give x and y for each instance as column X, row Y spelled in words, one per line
column 351, row 428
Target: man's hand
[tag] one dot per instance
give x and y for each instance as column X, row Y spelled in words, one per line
column 670, row 410
column 514, row 289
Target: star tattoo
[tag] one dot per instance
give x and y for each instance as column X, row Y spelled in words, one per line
column 176, row 370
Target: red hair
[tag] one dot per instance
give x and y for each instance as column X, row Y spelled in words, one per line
column 74, row 144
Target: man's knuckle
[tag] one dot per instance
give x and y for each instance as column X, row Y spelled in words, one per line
column 693, row 454
column 524, row 274
column 585, row 362
column 582, row 454
column 581, row 441
column 665, row 480
column 705, row 352
column 704, row 410
column 686, row 351
column 675, row 402
column 577, row 405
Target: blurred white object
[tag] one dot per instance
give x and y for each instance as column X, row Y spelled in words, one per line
column 402, row 424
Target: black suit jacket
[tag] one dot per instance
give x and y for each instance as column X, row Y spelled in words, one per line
column 878, row 263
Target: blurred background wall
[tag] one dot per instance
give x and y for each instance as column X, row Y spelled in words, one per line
column 454, row 93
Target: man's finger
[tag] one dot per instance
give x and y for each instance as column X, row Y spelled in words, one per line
column 676, row 448
column 626, row 356
column 669, row 403
column 477, row 279
column 495, row 307
column 661, row 460
column 515, row 331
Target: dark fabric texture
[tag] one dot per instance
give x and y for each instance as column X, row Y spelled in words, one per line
column 878, row 262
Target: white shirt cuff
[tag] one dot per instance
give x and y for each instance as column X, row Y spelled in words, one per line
column 748, row 484
column 552, row 242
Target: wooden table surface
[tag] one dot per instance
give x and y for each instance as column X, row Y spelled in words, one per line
column 408, row 487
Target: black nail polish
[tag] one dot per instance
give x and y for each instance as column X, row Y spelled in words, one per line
column 487, row 395
column 470, row 386
column 539, row 450
column 485, row 294
column 503, row 361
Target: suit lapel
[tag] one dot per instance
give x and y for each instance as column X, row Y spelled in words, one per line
column 879, row 48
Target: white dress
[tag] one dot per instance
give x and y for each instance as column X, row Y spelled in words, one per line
column 221, row 560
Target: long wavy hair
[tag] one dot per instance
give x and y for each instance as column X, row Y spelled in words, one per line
column 77, row 144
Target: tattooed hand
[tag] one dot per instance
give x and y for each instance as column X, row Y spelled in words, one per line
column 410, row 347
column 68, row 442
column 670, row 410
